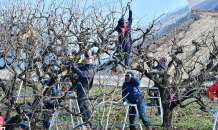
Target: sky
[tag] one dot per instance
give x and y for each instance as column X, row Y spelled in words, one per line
column 145, row 10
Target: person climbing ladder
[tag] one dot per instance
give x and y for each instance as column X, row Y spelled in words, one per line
column 124, row 37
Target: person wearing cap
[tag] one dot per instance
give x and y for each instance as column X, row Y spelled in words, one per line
column 124, row 40
column 84, row 83
column 161, row 65
column 131, row 91
column 23, row 125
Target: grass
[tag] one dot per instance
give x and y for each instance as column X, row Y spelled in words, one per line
column 188, row 118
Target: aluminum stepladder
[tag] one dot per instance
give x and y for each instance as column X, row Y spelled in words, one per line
column 152, row 97
column 214, row 114
column 72, row 102
column 127, row 113
column 21, row 84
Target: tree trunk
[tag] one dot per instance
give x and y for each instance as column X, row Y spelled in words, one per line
column 167, row 112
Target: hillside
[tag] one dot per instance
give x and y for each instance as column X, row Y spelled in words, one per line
column 197, row 31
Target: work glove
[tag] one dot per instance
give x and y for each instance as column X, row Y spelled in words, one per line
column 129, row 7
column 125, row 103
column 64, row 89
column 72, row 63
column 146, row 70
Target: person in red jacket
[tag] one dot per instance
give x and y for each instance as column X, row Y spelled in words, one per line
column 211, row 89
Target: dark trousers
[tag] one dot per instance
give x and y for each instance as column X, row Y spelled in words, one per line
column 142, row 116
column 126, row 56
column 153, row 100
column 127, row 50
column 46, row 123
column 126, row 61
column 82, row 105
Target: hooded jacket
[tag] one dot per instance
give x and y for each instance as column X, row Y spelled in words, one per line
column 85, row 79
column 131, row 90
column 125, row 40
column 211, row 89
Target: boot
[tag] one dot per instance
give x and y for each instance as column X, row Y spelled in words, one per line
column 151, row 104
column 148, row 127
column 201, row 108
column 158, row 113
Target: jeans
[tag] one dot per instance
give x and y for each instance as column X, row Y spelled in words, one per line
column 142, row 116
column 82, row 105
column 125, row 61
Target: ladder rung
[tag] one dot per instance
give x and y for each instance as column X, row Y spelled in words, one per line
column 30, row 99
column 156, row 88
column 65, row 113
column 133, row 114
column 64, row 82
column 152, row 106
column 152, row 115
column 153, row 97
column 132, row 124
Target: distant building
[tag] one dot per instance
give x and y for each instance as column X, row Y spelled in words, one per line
column 200, row 6
column 205, row 4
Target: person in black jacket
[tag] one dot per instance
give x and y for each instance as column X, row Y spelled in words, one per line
column 84, row 84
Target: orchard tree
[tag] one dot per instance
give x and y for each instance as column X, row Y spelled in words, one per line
column 35, row 40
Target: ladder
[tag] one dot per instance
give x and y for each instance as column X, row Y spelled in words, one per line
column 21, row 84
column 127, row 113
column 214, row 114
column 156, row 106
column 72, row 103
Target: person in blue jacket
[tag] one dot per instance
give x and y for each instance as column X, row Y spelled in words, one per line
column 124, row 40
column 84, row 83
column 131, row 92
